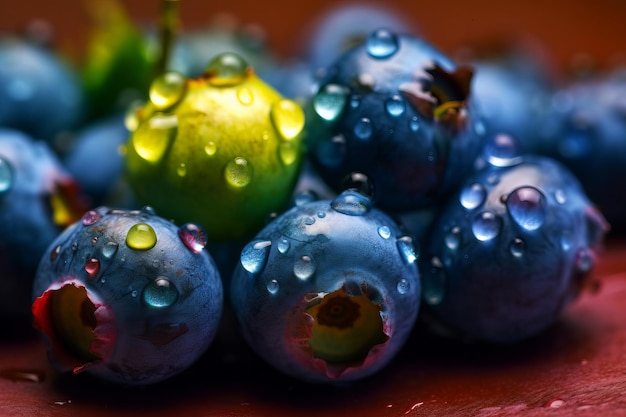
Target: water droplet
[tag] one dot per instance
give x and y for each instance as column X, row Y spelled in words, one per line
column 254, row 255
column 283, row 245
column 272, row 286
column 245, row 96
column 149, row 210
column 6, row 176
column 304, row 197
column 182, row 169
column 453, row 238
column 92, row 266
column 304, row 267
column 473, row 196
column 360, row 182
column 90, row 217
column 109, row 250
column 363, row 128
column 381, row 44
column 321, row 214
column 288, row 118
column 502, row 151
column 479, row 128
column 131, row 117
column 23, row 375
column 433, row 282
column 210, row 148
column 238, row 172
column 160, row 293
column 560, row 197
column 566, row 241
column 403, row 286
column 583, row 261
column 288, row 153
column 74, row 246
column 134, row 293
column 153, row 137
column 517, row 248
column 330, row 101
column 527, row 207
column 141, row 236
column 308, row 220
column 555, row 403
column 414, row 124
column 355, row 101
column 226, row 69
column 395, row 106
column 406, row 249
column 155, row 263
column 167, row 90
column 352, row 203
column 193, row 236
column 332, row 152
column 486, row 225
column 384, row 232
column 55, row 252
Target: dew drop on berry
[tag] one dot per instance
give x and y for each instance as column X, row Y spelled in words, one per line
column 288, row 118
column 90, row 217
column 395, row 106
column 238, row 172
column 384, row 232
column 283, row 245
column 527, row 207
column 159, row 293
column 452, row 239
column 304, row 268
column 226, row 69
column 363, row 129
column 254, row 255
column 502, row 151
column 141, row 236
column 406, row 249
column 287, row 153
column 167, row 90
column 566, row 241
column 403, row 286
column 332, row 152
column 433, row 282
column 272, row 286
column 308, row 220
column 355, row 101
column 486, row 226
column 330, row 101
column 381, row 44
column 517, row 248
column 414, row 124
column 153, row 137
column 109, row 250
column 560, row 197
column 55, row 252
column 583, row 261
column 131, row 117
column 473, row 196
column 210, row 148
column 193, row 236
column 321, row 214
column 352, row 203
column 148, row 210
column 6, row 176
column 92, row 266
column 245, row 96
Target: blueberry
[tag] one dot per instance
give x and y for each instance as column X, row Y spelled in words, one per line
column 39, row 93
column 38, row 198
column 127, row 296
column 328, row 291
column 396, row 109
column 510, row 251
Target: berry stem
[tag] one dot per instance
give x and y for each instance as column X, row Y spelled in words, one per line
column 168, row 25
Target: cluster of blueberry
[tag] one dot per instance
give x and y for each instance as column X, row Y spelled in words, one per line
column 328, row 206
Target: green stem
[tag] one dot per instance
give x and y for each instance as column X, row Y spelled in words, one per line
column 169, row 27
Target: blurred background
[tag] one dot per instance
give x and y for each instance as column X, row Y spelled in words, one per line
column 571, row 33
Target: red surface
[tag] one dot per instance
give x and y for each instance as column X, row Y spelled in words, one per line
column 578, row 367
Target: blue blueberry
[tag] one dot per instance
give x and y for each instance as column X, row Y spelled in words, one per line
column 329, row 290
column 396, row 109
column 510, row 251
column 38, row 198
column 39, row 93
column 127, row 296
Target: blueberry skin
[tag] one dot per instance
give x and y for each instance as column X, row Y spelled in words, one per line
column 144, row 297
column 313, row 252
column 396, row 109
column 510, row 252
column 587, row 134
column 95, row 159
column 39, row 93
column 38, row 198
